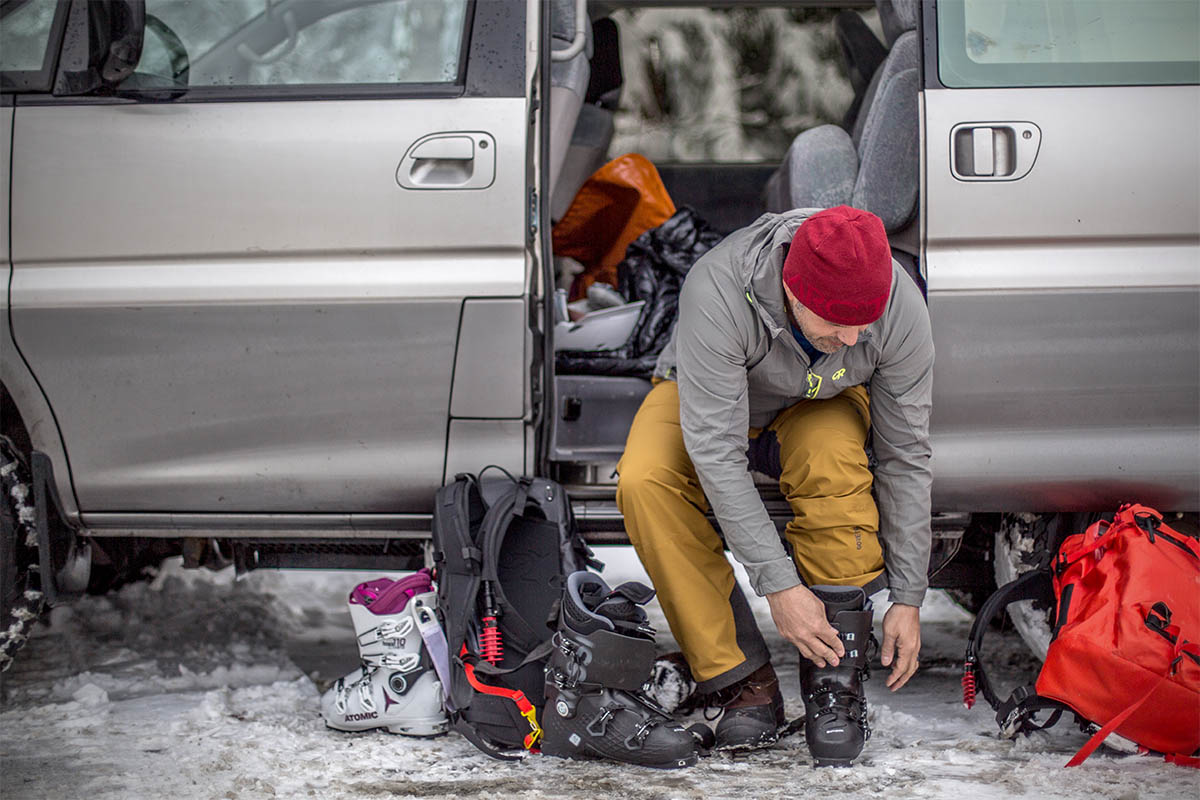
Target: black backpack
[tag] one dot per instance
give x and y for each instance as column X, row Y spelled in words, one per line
column 502, row 549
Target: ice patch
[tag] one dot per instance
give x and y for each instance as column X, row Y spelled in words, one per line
column 90, row 695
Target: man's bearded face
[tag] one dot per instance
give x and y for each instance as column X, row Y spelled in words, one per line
column 821, row 333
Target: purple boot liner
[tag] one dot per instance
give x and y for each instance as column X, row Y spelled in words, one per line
column 386, row 596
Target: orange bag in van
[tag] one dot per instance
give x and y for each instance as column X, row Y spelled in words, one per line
column 618, row 203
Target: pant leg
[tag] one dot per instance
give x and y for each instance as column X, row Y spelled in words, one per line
column 664, row 509
column 834, row 534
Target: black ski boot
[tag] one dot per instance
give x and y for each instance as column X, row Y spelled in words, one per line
column 595, row 704
column 835, row 706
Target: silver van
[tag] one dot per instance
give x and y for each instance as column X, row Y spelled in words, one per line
column 276, row 270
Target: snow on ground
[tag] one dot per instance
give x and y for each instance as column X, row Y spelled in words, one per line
column 197, row 685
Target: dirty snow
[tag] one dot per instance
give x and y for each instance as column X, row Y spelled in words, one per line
column 196, row 685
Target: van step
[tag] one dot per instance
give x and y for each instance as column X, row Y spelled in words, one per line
column 376, row 554
column 599, row 518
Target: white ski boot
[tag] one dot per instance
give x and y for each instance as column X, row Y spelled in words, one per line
column 395, row 687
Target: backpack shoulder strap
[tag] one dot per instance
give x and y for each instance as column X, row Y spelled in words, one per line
column 499, row 516
column 1033, row 585
column 510, row 504
column 574, row 553
column 1016, row 714
column 457, row 560
column 471, row 735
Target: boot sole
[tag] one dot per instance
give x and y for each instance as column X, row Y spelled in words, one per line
column 423, row 728
column 766, row 740
column 589, row 755
column 745, row 736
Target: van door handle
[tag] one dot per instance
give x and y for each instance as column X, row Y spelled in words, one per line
column 993, row 151
column 445, row 148
column 458, row 160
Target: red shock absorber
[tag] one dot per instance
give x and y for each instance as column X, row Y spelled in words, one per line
column 968, row 683
column 491, row 645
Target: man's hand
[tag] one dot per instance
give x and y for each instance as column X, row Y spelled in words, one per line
column 800, row 617
column 901, row 643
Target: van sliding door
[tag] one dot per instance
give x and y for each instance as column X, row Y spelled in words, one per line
column 240, row 283
column 1062, row 244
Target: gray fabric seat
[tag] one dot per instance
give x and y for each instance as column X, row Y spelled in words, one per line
column 875, row 166
column 586, row 153
column 581, row 149
column 568, row 85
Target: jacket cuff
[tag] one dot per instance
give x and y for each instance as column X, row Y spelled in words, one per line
column 773, row 576
column 908, row 597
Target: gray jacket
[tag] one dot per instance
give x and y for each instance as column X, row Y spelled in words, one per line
column 738, row 365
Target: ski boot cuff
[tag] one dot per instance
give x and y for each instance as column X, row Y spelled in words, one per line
column 841, row 598
column 604, row 634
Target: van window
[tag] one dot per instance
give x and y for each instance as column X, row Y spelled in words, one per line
column 261, row 43
column 24, row 33
column 982, row 43
column 727, row 85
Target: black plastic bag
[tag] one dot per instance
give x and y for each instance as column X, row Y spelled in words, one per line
column 653, row 270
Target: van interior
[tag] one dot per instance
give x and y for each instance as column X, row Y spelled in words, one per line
column 648, row 78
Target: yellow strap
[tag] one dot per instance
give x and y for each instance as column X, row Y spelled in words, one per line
column 533, row 738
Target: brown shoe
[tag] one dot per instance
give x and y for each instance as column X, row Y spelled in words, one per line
column 753, row 712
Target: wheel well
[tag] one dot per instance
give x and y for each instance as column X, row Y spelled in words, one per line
column 12, row 424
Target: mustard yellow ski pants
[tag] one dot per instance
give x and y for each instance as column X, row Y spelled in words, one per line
column 815, row 449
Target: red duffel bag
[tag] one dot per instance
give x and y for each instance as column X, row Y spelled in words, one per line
column 1125, row 653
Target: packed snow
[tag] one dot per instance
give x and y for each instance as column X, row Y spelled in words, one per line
column 200, row 685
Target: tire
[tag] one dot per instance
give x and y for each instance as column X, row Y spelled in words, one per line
column 1023, row 541
column 21, row 601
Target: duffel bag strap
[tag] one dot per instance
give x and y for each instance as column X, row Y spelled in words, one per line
column 1033, row 585
column 1111, row 529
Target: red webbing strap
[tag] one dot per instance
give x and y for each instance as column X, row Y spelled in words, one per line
column 1109, row 534
column 1113, row 724
column 1090, row 746
column 516, row 695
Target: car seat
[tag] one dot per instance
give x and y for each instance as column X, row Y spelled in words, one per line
column 587, row 149
column 568, row 83
column 874, row 165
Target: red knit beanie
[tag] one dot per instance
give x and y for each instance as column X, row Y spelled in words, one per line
column 839, row 266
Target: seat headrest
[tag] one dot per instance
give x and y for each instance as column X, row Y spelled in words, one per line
column 562, row 25
column 897, row 16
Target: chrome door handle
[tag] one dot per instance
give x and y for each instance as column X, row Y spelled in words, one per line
column 458, row 160
column 993, row 151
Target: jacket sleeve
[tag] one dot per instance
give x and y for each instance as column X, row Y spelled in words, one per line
column 711, row 345
column 901, row 399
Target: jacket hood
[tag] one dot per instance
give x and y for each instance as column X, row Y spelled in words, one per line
column 761, row 263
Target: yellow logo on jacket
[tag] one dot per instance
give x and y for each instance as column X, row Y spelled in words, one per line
column 814, row 386
column 837, row 376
